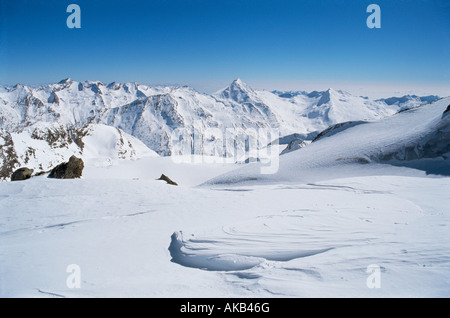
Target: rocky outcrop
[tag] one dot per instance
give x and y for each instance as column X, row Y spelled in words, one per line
column 446, row 112
column 337, row 128
column 68, row 170
column 435, row 144
column 60, row 136
column 8, row 155
column 167, row 179
column 295, row 144
column 22, row 174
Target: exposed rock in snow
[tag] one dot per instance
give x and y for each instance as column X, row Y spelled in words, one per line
column 43, row 146
column 167, row 179
column 334, row 129
column 68, row 170
column 446, row 112
column 21, row 174
column 294, row 145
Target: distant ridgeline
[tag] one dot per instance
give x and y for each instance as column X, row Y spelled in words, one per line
column 43, row 126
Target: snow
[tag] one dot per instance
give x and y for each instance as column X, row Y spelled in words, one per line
column 330, row 215
column 36, row 149
column 133, row 236
column 108, row 142
column 369, row 142
column 152, row 114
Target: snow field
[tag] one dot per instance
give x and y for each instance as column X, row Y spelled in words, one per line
column 303, row 239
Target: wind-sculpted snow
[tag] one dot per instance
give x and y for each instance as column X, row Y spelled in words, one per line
column 293, row 239
column 237, row 251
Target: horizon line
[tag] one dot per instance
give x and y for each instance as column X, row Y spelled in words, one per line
column 393, row 92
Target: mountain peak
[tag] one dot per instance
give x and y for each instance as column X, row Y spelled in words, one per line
column 332, row 91
column 326, row 96
column 66, row 81
column 239, row 84
column 238, row 81
column 238, row 91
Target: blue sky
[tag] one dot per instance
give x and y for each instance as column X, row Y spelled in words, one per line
column 270, row 44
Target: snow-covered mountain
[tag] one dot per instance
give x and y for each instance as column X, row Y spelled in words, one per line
column 170, row 120
column 45, row 145
column 409, row 101
column 317, row 227
column 418, row 137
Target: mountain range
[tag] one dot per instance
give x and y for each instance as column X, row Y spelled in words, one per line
column 42, row 126
column 418, row 138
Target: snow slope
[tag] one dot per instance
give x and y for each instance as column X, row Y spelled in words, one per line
column 334, row 215
column 418, row 137
column 350, row 204
column 133, row 236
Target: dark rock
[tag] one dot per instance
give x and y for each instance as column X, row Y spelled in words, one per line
column 446, row 111
column 40, row 173
column 21, row 174
column 285, row 140
column 68, row 170
column 8, row 155
column 53, row 98
column 295, row 144
column 167, row 179
column 334, row 129
column 362, row 160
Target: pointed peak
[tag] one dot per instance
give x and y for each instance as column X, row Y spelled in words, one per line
column 337, row 91
column 114, row 85
column 239, row 83
column 325, row 97
column 65, row 81
column 20, row 88
column 331, row 92
column 237, row 91
column 18, row 85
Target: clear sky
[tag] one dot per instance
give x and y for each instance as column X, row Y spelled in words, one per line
column 270, row 44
